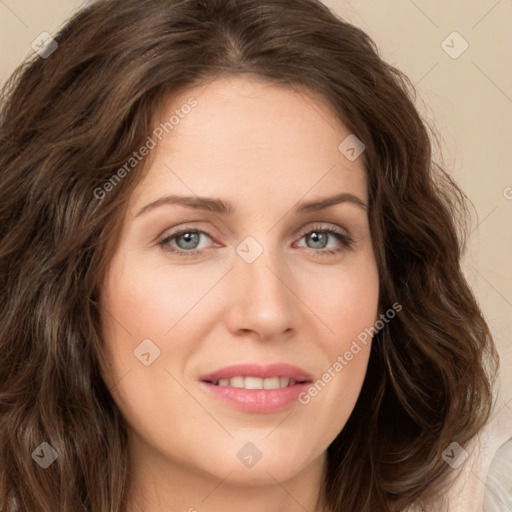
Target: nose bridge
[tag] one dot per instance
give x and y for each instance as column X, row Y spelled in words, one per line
column 262, row 286
column 260, row 264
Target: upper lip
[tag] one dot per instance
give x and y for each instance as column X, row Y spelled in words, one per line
column 257, row 370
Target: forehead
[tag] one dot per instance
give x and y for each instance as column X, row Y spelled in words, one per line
column 245, row 136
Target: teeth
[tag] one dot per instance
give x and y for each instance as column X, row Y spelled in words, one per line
column 256, row 382
column 253, row 383
column 271, row 383
column 236, row 382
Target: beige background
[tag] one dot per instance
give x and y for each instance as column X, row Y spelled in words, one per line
column 469, row 99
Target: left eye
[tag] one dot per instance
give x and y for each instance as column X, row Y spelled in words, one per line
column 319, row 236
column 186, row 241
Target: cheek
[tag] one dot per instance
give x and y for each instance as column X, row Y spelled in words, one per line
column 149, row 300
column 145, row 308
column 345, row 299
column 347, row 304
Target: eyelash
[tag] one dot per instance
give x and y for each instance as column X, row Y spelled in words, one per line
column 345, row 239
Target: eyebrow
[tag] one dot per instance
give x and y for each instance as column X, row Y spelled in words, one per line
column 217, row 205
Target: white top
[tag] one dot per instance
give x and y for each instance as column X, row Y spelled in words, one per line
column 482, row 470
column 498, row 492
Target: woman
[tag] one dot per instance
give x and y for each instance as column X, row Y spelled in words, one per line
column 231, row 271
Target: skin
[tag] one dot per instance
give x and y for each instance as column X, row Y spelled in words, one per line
column 262, row 148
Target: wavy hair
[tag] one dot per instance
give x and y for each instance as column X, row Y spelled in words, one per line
column 71, row 119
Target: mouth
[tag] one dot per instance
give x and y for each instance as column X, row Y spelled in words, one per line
column 247, row 382
column 256, row 388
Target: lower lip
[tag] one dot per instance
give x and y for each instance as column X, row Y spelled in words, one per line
column 258, row 400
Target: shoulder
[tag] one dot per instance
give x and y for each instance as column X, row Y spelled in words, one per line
column 498, row 491
column 480, row 478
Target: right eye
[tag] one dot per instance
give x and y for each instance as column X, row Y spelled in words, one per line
column 189, row 237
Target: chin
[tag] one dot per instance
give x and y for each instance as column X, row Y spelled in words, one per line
column 278, row 463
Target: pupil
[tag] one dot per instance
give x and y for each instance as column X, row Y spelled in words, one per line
column 316, row 237
column 189, row 239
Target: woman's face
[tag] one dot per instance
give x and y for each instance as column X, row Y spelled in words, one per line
column 258, row 283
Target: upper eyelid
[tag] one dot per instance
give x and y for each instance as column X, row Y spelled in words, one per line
column 308, row 226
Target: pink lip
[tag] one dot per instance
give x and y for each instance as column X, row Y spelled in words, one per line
column 258, row 400
column 262, row 371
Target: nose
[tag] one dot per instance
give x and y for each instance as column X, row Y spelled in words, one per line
column 262, row 297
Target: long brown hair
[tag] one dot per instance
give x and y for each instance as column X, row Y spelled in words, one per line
column 73, row 118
